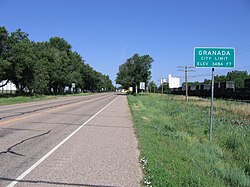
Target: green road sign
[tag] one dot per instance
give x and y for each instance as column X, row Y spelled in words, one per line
column 205, row 57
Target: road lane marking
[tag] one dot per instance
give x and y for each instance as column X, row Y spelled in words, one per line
column 57, row 146
column 32, row 115
column 36, row 103
column 17, row 119
column 46, row 111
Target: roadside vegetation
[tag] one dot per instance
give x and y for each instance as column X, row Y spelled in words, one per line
column 133, row 71
column 48, row 67
column 23, row 99
column 12, row 99
column 174, row 141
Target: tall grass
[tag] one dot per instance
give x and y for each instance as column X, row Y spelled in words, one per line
column 174, row 141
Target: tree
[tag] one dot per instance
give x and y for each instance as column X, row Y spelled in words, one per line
column 221, row 78
column 20, row 54
column 238, row 77
column 87, row 73
column 135, row 70
column 42, row 68
column 207, row 81
column 5, row 66
column 3, row 39
column 45, row 67
column 152, row 86
column 73, row 70
column 165, row 88
column 60, row 44
column 108, row 86
column 23, row 66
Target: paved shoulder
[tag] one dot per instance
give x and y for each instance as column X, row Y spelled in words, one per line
column 102, row 153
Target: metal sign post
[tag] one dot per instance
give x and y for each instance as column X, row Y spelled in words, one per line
column 212, row 108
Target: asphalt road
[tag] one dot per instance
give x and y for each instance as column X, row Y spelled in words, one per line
column 71, row 141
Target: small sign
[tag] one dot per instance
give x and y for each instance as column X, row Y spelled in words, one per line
column 73, row 85
column 142, row 85
column 205, row 57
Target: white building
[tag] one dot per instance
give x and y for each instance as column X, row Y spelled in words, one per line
column 8, row 87
column 174, row 82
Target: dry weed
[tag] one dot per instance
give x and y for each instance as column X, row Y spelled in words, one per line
column 237, row 108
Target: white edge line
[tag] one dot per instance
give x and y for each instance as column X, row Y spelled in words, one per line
column 56, row 147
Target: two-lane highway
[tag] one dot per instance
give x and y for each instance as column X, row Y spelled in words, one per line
column 32, row 134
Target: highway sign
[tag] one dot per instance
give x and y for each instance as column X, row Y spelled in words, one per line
column 205, row 57
column 142, row 85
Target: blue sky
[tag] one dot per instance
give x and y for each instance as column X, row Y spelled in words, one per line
column 107, row 32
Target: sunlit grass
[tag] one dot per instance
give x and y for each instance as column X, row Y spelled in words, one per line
column 23, row 99
column 12, row 99
column 174, row 139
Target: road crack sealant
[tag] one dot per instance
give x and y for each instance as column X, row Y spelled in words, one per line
column 9, row 150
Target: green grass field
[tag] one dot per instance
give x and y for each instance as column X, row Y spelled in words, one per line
column 174, row 141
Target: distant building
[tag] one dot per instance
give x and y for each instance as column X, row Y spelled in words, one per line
column 174, row 82
column 8, row 87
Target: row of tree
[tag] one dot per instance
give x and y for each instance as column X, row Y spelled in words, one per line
column 45, row 67
column 237, row 76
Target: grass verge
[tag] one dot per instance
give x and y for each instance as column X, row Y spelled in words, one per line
column 23, row 99
column 12, row 99
column 174, row 141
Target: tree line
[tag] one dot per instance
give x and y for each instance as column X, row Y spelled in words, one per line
column 236, row 76
column 45, row 67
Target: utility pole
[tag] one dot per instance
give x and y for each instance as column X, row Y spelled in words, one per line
column 186, row 69
column 163, row 80
column 162, row 89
